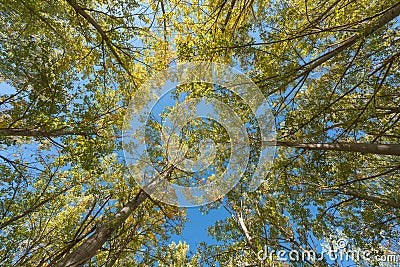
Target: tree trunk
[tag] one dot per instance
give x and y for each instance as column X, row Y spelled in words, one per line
column 379, row 149
column 386, row 202
column 38, row 133
column 385, row 18
column 90, row 247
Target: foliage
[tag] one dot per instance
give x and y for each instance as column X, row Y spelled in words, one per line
column 330, row 70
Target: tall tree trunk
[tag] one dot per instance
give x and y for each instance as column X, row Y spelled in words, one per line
column 390, row 14
column 90, row 247
column 39, row 133
column 79, row 10
column 386, row 202
column 380, row 149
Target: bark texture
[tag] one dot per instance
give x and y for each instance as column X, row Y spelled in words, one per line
column 380, row 149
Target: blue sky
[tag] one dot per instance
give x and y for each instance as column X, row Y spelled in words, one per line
column 195, row 230
column 6, row 89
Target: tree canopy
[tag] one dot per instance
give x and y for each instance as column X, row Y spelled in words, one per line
column 329, row 70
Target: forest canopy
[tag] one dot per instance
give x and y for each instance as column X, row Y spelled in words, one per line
column 328, row 71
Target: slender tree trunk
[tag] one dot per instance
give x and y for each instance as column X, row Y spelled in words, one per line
column 79, row 10
column 385, row 18
column 90, row 247
column 380, row 149
column 245, row 230
column 38, row 133
column 386, row 202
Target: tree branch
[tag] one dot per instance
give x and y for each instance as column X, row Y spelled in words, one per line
column 387, row 202
column 380, row 149
column 38, row 133
column 90, row 247
column 81, row 11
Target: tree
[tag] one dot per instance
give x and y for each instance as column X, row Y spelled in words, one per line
column 329, row 68
column 62, row 173
column 336, row 82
